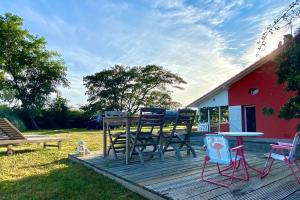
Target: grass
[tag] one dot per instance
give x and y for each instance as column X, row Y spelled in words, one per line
column 37, row 173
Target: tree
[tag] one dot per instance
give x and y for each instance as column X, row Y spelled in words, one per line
column 288, row 15
column 289, row 74
column 59, row 104
column 288, row 61
column 161, row 99
column 125, row 88
column 31, row 72
column 57, row 112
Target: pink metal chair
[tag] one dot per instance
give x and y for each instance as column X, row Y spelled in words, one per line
column 219, row 152
column 278, row 153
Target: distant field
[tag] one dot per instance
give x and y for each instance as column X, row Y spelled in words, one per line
column 37, row 173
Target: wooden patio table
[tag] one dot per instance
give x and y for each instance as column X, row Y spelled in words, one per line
column 239, row 141
column 107, row 121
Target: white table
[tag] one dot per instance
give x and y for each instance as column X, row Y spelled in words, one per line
column 239, row 141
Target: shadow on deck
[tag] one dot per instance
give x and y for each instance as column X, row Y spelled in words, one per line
column 173, row 179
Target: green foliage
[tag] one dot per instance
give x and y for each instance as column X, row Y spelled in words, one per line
column 124, row 88
column 286, row 17
column 289, row 74
column 31, row 71
column 58, row 115
column 12, row 116
column 161, row 99
column 268, row 111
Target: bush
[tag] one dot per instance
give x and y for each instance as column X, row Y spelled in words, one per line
column 51, row 119
column 12, row 116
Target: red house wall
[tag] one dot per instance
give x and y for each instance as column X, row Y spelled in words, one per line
column 270, row 95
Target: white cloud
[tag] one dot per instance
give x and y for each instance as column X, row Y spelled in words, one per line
column 190, row 39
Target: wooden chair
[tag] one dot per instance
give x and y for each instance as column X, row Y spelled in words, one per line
column 277, row 152
column 117, row 139
column 144, row 138
column 218, row 152
column 178, row 140
column 11, row 136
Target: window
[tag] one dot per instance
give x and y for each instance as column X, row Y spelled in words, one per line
column 253, row 91
column 214, row 114
column 203, row 115
column 224, row 114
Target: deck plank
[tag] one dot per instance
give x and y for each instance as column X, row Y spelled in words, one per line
column 180, row 179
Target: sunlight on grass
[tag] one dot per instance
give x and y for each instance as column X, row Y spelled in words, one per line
column 37, row 173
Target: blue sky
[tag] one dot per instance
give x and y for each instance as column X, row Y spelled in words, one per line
column 205, row 41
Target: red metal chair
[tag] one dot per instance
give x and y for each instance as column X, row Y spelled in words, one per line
column 219, row 152
column 278, row 153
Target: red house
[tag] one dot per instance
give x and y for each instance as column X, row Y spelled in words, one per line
column 249, row 101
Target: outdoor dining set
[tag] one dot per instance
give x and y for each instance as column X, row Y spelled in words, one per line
column 150, row 138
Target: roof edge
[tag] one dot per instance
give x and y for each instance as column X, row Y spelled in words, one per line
column 237, row 76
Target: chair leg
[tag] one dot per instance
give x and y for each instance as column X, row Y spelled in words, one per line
column 189, row 147
column 132, row 148
column 232, row 173
column 166, row 146
column 177, row 151
column 59, row 145
column 140, row 155
column 161, row 154
column 112, row 143
column 267, row 169
column 246, row 173
column 296, row 163
column 206, row 159
column 154, row 149
column 192, row 150
column 203, row 168
column 233, row 166
column 293, row 172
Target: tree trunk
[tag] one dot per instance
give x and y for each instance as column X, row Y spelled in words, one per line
column 35, row 126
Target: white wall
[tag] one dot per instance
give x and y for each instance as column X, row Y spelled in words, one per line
column 220, row 99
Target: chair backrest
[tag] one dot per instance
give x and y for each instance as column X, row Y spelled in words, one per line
column 186, row 118
column 295, row 144
column 217, row 148
column 151, row 117
column 10, row 130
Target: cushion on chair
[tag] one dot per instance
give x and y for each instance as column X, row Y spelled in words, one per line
column 277, row 156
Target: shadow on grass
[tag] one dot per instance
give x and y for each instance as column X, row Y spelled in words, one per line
column 72, row 181
column 63, row 161
column 60, row 131
column 16, row 152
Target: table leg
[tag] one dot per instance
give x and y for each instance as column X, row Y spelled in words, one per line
column 241, row 153
column 104, row 140
column 127, row 155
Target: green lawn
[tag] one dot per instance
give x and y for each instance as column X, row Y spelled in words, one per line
column 37, row 173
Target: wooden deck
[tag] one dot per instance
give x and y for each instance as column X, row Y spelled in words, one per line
column 173, row 179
